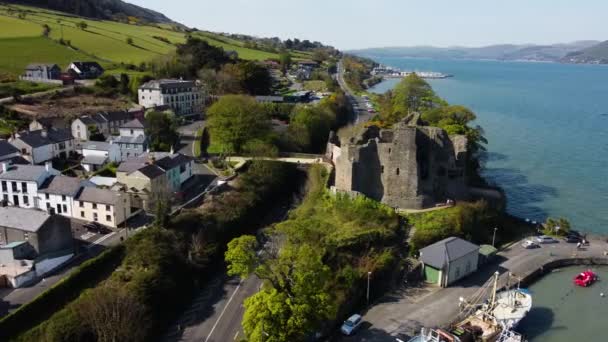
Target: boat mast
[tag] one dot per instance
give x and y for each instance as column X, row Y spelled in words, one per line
column 493, row 303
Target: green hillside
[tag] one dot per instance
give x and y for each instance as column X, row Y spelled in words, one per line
column 22, row 40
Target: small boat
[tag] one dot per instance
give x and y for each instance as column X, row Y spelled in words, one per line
column 585, row 279
column 434, row 335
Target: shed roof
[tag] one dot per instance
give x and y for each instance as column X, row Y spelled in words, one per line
column 61, row 185
column 96, row 195
column 29, row 220
column 446, row 250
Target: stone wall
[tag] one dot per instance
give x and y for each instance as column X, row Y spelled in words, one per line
column 408, row 167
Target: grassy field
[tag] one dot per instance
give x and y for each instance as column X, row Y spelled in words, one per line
column 22, row 41
column 6, row 89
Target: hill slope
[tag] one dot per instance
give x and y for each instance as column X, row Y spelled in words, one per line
column 596, row 54
column 529, row 52
column 100, row 9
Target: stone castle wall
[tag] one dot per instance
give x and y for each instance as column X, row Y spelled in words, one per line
column 408, row 167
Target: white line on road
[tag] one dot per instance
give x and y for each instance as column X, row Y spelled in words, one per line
column 104, row 238
column 222, row 314
column 236, row 335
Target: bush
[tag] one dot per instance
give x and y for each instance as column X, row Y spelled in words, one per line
column 87, row 275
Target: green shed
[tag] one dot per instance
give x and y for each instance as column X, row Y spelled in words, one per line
column 486, row 254
column 431, row 275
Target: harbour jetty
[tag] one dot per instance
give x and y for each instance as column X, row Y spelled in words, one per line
column 390, row 72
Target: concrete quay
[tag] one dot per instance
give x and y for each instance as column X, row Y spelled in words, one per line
column 401, row 313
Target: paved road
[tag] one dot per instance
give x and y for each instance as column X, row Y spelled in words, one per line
column 187, row 135
column 361, row 114
column 403, row 312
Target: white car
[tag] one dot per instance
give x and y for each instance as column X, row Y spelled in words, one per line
column 351, row 325
column 545, row 239
column 529, row 244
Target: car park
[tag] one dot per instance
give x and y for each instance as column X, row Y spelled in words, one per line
column 545, row 239
column 351, row 325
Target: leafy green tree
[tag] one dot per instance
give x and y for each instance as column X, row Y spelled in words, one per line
column 161, row 130
column 124, row 84
column 241, row 256
column 107, row 81
column 255, row 78
column 82, row 25
column 129, row 41
column 313, row 123
column 285, row 60
column 412, row 94
column 235, row 120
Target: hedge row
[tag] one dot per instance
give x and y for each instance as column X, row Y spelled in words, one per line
column 87, row 275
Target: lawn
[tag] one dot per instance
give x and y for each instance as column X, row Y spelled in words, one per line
column 316, row 85
column 244, row 53
column 11, row 27
column 16, row 53
column 6, row 89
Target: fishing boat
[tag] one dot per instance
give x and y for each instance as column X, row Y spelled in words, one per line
column 435, row 335
column 495, row 318
column 585, row 279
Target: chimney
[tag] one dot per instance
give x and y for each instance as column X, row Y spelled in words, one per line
column 172, row 151
column 4, row 167
column 44, row 133
column 48, row 166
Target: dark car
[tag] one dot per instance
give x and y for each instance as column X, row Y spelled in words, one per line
column 573, row 239
column 96, row 227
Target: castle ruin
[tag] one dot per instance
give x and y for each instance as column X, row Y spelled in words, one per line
column 408, row 166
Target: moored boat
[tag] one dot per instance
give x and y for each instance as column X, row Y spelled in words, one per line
column 585, row 278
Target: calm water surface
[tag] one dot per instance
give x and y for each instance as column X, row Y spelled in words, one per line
column 547, row 126
column 562, row 312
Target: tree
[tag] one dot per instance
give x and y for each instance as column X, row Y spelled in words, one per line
column 412, row 94
column 162, row 130
column 129, row 40
column 255, row 78
column 285, row 60
column 113, row 314
column 236, row 119
column 124, row 84
column 107, row 81
column 95, row 134
column 295, row 300
column 46, row 30
column 241, row 256
column 82, row 25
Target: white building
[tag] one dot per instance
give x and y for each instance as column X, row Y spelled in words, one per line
column 184, row 97
column 106, row 123
column 132, row 140
column 98, row 153
column 19, row 184
column 58, row 193
column 42, row 145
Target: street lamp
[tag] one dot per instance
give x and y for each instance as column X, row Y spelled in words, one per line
column 494, row 236
column 369, row 274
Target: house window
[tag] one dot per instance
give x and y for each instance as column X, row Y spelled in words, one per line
column 16, row 200
column 108, row 208
column 26, row 200
column 24, row 186
column 95, row 217
column 131, row 132
column 82, row 204
column 4, row 187
column 63, row 197
column 5, row 198
column 65, row 208
column 59, row 209
column 95, row 206
column 47, row 196
column 108, row 218
column 48, row 206
column 14, row 186
column 82, row 214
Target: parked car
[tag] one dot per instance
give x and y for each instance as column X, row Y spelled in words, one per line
column 96, row 227
column 351, row 325
column 573, row 239
column 545, row 239
column 529, row 244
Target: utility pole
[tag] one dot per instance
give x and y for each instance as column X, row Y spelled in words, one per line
column 368, row 278
column 494, row 236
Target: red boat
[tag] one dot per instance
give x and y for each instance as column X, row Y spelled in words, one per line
column 585, row 279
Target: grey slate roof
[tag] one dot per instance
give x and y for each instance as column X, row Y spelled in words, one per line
column 23, row 173
column 37, row 139
column 96, row 145
column 136, row 123
column 446, row 250
column 61, row 185
column 152, row 171
column 88, row 66
column 140, row 139
column 34, row 66
column 29, row 220
column 6, row 148
column 96, row 195
column 164, row 160
column 167, row 83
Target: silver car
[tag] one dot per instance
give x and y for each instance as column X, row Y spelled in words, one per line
column 351, row 325
column 545, row 239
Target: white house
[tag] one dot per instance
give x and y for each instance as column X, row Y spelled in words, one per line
column 98, row 153
column 106, row 123
column 19, row 184
column 85, row 70
column 132, row 140
column 449, row 260
column 184, row 97
column 43, row 145
column 58, row 193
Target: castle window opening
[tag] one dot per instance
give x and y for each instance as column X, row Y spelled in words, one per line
column 397, row 171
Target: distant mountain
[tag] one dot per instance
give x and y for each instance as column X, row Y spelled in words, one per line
column 99, row 9
column 512, row 52
column 596, row 54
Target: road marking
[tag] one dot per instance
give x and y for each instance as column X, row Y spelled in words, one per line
column 222, row 314
column 236, row 335
column 104, row 238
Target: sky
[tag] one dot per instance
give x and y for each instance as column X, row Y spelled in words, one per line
column 352, row 24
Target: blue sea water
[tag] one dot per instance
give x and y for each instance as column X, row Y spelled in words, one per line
column 547, row 126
